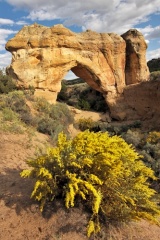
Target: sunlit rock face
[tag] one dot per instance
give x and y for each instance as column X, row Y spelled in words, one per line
column 136, row 69
column 41, row 57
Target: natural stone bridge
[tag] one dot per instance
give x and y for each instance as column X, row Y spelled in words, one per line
column 41, row 57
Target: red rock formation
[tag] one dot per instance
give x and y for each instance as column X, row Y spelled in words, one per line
column 136, row 69
column 41, row 57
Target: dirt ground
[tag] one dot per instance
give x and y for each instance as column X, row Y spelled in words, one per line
column 20, row 218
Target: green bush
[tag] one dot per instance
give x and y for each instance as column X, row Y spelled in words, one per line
column 86, row 123
column 58, row 111
column 133, row 137
column 47, row 125
column 6, row 83
column 45, row 117
column 148, row 145
column 9, row 115
column 83, row 104
column 41, row 105
column 155, row 76
column 151, row 153
column 62, row 95
column 54, row 118
column 16, row 101
column 61, row 113
column 154, row 64
column 153, row 137
column 104, row 172
column 10, row 121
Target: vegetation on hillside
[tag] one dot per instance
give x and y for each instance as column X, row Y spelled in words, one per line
column 154, row 65
column 79, row 94
column 155, row 76
column 19, row 108
column 6, row 83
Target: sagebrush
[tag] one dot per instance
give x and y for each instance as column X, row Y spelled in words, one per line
column 44, row 117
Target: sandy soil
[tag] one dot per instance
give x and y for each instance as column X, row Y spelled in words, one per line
column 20, row 218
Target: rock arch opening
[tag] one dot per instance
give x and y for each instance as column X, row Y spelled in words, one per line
column 82, row 92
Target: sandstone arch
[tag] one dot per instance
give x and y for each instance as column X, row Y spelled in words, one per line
column 41, row 56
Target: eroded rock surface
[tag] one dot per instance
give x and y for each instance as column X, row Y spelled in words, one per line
column 41, row 57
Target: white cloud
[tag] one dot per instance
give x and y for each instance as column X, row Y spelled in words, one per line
column 5, row 60
column 6, row 57
column 21, row 23
column 153, row 54
column 4, row 33
column 150, row 32
column 4, row 21
column 99, row 15
column 30, row 4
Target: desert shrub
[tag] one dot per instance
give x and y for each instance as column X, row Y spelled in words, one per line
column 100, row 105
column 86, row 123
column 9, row 115
column 48, row 126
column 54, row 118
column 127, row 131
column 12, row 127
column 91, row 125
column 83, row 104
column 46, row 118
column 153, row 137
column 61, row 113
column 103, row 172
column 155, row 76
column 41, row 105
column 29, row 93
column 10, row 121
column 62, row 95
column 6, row 83
column 133, row 137
column 136, row 124
column 151, row 153
column 30, row 90
column 16, row 101
column 148, row 145
column 92, row 99
column 154, row 64
column 58, row 111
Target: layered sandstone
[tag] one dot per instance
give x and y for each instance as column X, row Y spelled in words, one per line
column 41, row 57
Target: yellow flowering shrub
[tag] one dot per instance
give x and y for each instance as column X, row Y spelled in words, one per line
column 86, row 123
column 153, row 137
column 104, row 172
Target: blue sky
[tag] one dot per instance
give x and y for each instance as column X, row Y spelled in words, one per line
column 99, row 15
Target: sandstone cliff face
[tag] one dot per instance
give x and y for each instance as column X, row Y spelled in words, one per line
column 143, row 102
column 41, row 57
column 136, row 69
